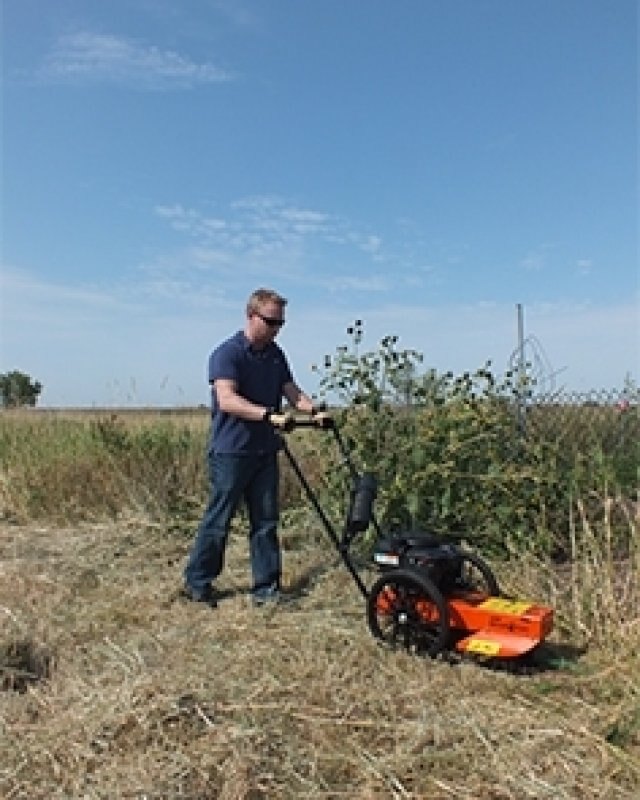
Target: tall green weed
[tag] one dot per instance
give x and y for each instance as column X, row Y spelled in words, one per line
column 450, row 453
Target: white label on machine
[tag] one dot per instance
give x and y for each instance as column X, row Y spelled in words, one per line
column 390, row 559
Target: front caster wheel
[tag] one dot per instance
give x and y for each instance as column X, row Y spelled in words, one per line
column 406, row 609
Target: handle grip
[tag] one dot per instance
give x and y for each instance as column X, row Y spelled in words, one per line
column 287, row 422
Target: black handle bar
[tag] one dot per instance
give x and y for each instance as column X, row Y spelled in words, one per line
column 329, row 425
column 304, row 422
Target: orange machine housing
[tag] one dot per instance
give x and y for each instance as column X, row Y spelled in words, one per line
column 497, row 627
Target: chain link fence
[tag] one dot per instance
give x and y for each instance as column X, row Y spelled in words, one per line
column 603, row 426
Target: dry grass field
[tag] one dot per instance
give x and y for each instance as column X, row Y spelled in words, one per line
column 113, row 687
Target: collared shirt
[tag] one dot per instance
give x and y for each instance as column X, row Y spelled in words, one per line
column 259, row 376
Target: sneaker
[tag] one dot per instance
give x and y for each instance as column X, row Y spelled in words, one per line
column 272, row 597
column 266, row 597
column 206, row 597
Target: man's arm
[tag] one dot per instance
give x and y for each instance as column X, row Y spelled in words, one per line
column 297, row 398
column 231, row 402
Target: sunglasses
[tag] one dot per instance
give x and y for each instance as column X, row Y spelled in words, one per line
column 272, row 322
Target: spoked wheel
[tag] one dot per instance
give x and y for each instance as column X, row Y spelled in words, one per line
column 476, row 575
column 406, row 609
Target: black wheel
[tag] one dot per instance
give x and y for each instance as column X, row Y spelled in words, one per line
column 406, row 609
column 476, row 575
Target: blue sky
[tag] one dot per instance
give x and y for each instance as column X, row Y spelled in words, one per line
column 421, row 165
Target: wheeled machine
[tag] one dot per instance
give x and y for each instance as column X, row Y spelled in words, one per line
column 431, row 594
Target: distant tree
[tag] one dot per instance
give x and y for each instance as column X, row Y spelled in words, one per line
column 18, row 389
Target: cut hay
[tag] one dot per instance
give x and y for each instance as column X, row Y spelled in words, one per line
column 152, row 697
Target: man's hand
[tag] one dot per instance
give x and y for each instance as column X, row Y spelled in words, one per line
column 322, row 419
column 284, row 421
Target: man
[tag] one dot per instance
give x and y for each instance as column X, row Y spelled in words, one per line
column 249, row 375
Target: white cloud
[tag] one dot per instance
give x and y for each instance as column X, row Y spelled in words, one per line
column 270, row 235
column 369, row 283
column 276, row 215
column 190, row 221
column 86, row 56
column 533, row 261
column 538, row 257
column 53, row 298
column 372, row 244
column 585, row 266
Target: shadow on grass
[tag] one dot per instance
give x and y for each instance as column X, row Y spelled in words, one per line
column 308, row 579
column 554, row 656
column 546, row 657
column 22, row 663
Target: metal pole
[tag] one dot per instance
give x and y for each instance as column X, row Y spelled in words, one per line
column 342, row 547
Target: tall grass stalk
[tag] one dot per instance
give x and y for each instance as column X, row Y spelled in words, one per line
column 605, row 573
column 89, row 466
column 595, row 591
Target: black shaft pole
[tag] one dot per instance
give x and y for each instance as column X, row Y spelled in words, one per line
column 341, row 548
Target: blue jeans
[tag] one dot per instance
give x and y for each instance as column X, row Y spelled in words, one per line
column 254, row 479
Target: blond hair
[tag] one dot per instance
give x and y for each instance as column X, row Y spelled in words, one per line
column 261, row 296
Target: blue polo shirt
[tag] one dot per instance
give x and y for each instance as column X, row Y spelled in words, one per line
column 260, row 376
